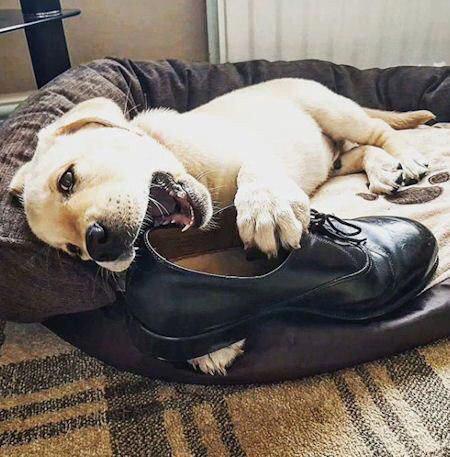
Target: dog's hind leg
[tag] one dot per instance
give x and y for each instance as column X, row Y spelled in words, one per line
column 383, row 171
column 342, row 119
column 401, row 121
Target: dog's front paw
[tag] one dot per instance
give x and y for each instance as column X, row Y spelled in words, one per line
column 271, row 214
column 217, row 362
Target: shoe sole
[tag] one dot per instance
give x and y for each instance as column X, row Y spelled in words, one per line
column 186, row 348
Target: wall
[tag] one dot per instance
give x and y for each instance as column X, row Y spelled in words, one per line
column 138, row 29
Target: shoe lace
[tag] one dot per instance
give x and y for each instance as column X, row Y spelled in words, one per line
column 326, row 224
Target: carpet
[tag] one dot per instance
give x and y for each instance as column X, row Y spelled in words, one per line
column 56, row 401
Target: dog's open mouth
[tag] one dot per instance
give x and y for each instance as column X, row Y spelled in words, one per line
column 169, row 203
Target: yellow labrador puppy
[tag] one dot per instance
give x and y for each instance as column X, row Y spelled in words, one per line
column 265, row 148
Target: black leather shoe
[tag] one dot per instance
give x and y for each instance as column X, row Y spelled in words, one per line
column 352, row 270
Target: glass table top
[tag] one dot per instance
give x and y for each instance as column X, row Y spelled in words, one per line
column 14, row 19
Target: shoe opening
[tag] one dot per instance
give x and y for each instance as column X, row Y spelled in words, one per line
column 217, row 251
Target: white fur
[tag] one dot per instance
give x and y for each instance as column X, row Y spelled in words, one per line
column 217, row 362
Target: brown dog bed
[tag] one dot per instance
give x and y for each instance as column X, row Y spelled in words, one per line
column 83, row 307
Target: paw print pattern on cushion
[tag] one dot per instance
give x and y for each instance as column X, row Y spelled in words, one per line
column 439, row 178
column 367, row 196
column 415, row 195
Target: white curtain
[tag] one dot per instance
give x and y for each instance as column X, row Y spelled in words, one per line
column 363, row 33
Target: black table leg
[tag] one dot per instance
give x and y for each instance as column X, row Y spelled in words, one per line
column 46, row 42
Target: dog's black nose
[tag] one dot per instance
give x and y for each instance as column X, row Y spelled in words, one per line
column 102, row 245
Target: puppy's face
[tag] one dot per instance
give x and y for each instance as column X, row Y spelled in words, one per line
column 93, row 181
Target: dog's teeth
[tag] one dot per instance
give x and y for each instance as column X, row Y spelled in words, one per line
column 165, row 222
column 192, row 214
column 172, row 193
column 173, row 221
column 181, row 194
column 187, row 226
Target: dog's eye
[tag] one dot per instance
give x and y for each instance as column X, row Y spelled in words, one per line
column 66, row 181
column 75, row 250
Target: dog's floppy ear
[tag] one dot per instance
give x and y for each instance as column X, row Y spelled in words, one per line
column 78, row 124
column 96, row 112
column 18, row 182
column 91, row 113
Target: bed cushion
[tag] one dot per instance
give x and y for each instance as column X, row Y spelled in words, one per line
column 38, row 282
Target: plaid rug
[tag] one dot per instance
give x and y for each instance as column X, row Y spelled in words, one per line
column 56, row 401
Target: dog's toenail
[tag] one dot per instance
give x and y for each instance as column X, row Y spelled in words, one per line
column 399, row 166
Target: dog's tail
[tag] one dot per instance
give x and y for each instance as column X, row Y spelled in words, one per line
column 401, row 121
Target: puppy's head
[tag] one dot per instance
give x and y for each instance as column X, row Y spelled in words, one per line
column 94, row 180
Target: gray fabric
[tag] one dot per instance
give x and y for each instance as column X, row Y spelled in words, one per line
column 37, row 282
